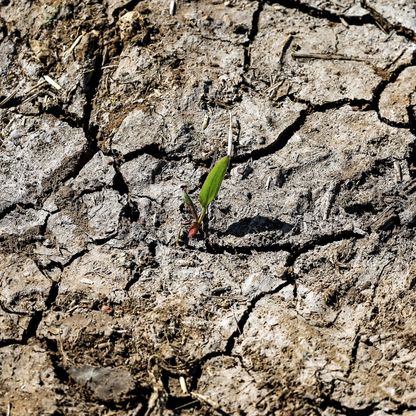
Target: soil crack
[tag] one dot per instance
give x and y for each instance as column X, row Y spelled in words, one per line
column 322, row 13
column 252, row 34
column 284, row 137
column 391, row 78
column 229, row 346
column 380, row 21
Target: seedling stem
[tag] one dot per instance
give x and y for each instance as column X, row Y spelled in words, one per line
column 210, row 188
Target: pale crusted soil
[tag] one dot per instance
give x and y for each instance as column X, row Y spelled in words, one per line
column 298, row 298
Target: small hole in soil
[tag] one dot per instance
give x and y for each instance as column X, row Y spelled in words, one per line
column 359, row 209
column 412, row 160
column 411, row 112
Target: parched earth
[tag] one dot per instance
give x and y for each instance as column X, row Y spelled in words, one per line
column 299, row 296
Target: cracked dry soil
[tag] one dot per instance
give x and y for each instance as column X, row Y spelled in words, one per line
column 299, row 299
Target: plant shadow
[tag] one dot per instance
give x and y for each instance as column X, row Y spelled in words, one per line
column 257, row 224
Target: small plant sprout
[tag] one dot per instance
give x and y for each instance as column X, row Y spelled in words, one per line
column 210, row 188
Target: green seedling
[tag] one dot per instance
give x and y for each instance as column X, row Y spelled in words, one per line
column 208, row 193
column 209, row 190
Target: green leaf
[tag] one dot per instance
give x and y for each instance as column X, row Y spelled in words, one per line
column 188, row 202
column 211, row 186
column 186, row 198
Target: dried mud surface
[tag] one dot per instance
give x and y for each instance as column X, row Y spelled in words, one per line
column 298, row 298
